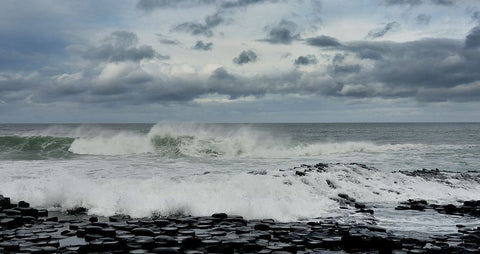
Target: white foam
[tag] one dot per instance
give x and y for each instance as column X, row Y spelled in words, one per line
column 119, row 144
column 248, row 195
column 279, row 194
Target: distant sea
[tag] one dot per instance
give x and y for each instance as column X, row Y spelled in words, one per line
column 245, row 169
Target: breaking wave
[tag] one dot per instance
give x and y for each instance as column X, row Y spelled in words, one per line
column 34, row 147
column 184, row 140
column 197, row 140
column 284, row 195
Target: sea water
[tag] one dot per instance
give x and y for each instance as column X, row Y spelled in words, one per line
column 245, row 169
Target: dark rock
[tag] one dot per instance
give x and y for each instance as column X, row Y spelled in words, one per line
column 170, row 230
column 330, row 184
column 23, row 204
column 161, row 223
column 369, row 211
column 300, row 173
column 93, row 230
column 165, row 250
column 4, row 202
column 346, row 197
column 450, row 209
column 360, row 205
column 9, row 223
column 143, row 232
column 263, row 227
column 12, row 212
column 42, row 213
column 191, row 243
column 77, row 211
column 54, row 219
column 220, row 215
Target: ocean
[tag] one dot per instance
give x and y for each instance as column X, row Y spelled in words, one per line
column 250, row 170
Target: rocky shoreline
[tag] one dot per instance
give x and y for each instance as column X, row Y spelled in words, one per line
column 24, row 229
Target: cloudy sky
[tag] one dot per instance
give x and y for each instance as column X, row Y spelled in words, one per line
column 239, row 60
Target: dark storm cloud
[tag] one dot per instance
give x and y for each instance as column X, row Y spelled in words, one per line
column 429, row 70
column 380, row 32
column 323, row 41
column 121, row 46
column 200, row 45
column 306, row 60
column 205, row 29
column 413, row 68
column 423, row 19
column 283, row 33
column 473, row 38
column 247, row 56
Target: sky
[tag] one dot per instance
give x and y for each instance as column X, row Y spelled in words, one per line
column 239, row 61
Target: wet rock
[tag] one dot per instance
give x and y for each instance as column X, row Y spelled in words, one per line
column 77, row 211
column 220, row 215
column 346, row 197
column 143, row 232
column 300, row 173
column 262, row 227
column 165, row 250
column 23, row 204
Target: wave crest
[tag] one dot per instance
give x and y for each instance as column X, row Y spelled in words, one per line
column 34, row 147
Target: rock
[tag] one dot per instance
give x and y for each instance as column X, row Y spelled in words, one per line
column 450, row 209
column 300, row 173
column 4, row 202
column 143, row 232
column 262, row 227
column 54, row 219
column 220, row 215
column 165, row 250
column 77, row 211
column 23, row 204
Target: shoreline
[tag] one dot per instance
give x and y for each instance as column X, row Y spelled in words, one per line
column 24, row 229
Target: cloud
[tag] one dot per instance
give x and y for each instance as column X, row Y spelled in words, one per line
column 169, row 42
column 195, row 28
column 121, row 46
column 442, row 2
column 476, row 16
column 403, row 2
column 323, row 41
column 418, row 2
column 306, row 60
column 423, row 19
column 200, row 45
column 283, row 33
column 380, row 32
column 243, row 3
column 411, row 69
column 150, row 5
column 429, row 70
column 473, row 38
column 245, row 57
